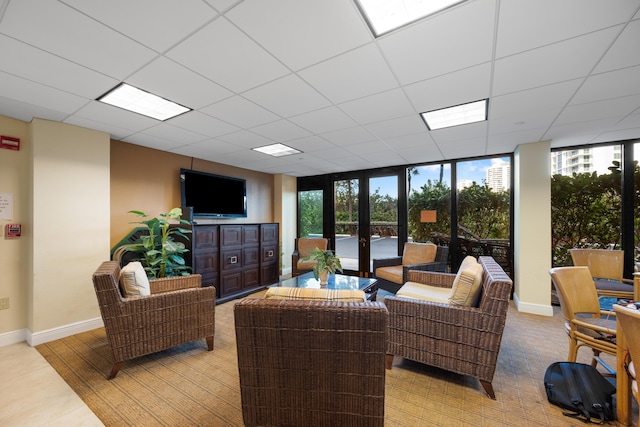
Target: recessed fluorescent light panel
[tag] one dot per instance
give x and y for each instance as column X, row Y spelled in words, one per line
column 454, row 116
column 277, row 150
column 387, row 15
column 142, row 102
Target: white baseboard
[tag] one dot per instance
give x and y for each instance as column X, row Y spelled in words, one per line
column 63, row 331
column 13, row 337
column 539, row 309
column 286, row 271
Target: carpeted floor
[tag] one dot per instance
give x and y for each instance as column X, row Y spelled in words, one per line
column 188, row 386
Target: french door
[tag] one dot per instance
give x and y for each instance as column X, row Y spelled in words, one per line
column 365, row 220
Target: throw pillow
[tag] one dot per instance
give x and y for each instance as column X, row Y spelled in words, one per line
column 467, row 285
column 133, row 280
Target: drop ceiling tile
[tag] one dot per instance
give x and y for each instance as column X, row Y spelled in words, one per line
column 207, row 149
column 459, row 38
column 551, row 64
column 172, row 81
column 523, row 122
column 29, row 92
column 152, row 141
column 469, row 131
column 463, row 148
column 74, row 36
column 619, row 135
column 310, row 144
column 607, row 109
column 609, row 85
column 245, row 139
column 116, row 132
column 367, row 147
column 460, row 87
column 387, row 158
column 236, row 59
column 325, row 120
column 383, row 106
column 398, row 127
column 181, row 136
column 282, row 131
column 579, row 131
column 222, row 5
column 507, row 142
column 105, row 113
column 203, row 124
column 240, row 112
column 349, row 136
column 158, row 24
column 520, row 22
column 421, row 155
column 420, row 140
column 26, row 112
column 287, row 96
column 520, row 104
column 302, row 33
column 624, row 52
column 352, row 75
column 39, row 66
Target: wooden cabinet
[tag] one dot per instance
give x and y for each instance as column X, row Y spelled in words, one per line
column 237, row 259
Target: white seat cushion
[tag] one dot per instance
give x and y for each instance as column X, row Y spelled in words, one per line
column 422, row 292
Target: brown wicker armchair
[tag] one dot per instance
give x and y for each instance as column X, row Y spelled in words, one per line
column 464, row 340
column 178, row 311
column 311, row 363
column 393, row 272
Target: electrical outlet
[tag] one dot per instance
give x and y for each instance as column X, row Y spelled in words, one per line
column 4, row 303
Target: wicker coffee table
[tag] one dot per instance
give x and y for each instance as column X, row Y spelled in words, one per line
column 336, row 281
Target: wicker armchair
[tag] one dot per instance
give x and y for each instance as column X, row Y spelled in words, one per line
column 178, row 311
column 393, row 272
column 302, row 249
column 464, row 340
column 311, row 363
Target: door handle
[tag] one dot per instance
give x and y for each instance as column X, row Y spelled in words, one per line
column 363, row 241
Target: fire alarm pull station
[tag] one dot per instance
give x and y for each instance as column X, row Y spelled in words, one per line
column 9, row 142
column 12, row 230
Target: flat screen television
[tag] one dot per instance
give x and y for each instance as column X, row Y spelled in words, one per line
column 213, row 196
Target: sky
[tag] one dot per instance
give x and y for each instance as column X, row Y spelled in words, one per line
column 474, row 170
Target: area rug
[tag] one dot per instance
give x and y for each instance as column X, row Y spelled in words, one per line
column 183, row 386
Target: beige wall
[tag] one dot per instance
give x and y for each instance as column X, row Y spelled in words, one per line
column 148, row 180
column 532, row 228
column 14, row 253
column 70, row 223
column 285, row 210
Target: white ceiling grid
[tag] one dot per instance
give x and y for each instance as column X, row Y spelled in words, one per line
column 309, row 74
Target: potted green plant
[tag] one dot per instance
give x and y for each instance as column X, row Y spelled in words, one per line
column 161, row 255
column 327, row 263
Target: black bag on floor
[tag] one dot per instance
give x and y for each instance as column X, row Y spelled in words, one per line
column 581, row 389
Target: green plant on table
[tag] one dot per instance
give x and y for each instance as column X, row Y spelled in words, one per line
column 161, row 255
column 326, row 260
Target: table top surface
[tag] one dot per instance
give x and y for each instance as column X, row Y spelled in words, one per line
column 335, row 281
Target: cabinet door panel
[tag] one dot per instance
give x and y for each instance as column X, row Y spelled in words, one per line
column 250, row 256
column 251, row 278
column 230, row 235
column 230, row 283
column 205, row 237
column 250, row 234
column 269, row 274
column 231, row 259
column 269, row 233
column 269, row 254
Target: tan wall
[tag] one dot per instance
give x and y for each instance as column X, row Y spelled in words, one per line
column 148, row 180
column 14, row 253
column 532, row 228
column 70, row 223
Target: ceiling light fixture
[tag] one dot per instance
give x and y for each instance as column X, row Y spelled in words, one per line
column 387, row 15
column 457, row 115
column 139, row 101
column 277, row 150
